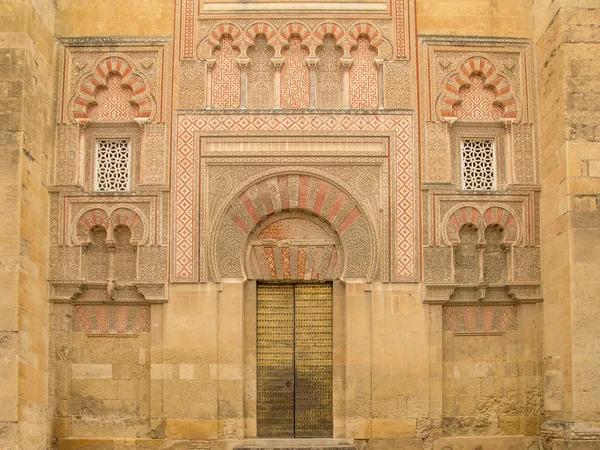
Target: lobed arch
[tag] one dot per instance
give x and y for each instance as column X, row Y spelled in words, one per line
column 225, row 29
column 278, row 37
column 307, row 195
column 329, row 28
column 299, row 29
column 87, row 90
column 261, row 28
column 450, row 98
column 363, row 28
column 376, row 40
column 481, row 220
column 110, row 219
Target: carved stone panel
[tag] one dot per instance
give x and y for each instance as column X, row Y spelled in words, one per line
column 192, row 232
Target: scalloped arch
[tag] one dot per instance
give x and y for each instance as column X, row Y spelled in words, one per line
column 325, row 28
column 113, row 65
column 364, row 28
column 287, row 30
column 257, row 28
column 224, row 29
column 376, row 40
column 477, row 65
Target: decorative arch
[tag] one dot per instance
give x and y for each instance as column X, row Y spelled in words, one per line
column 315, row 198
column 258, row 28
column 293, row 246
column 366, row 29
column 225, row 29
column 137, row 95
column 458, row 84
column 376, row 40
column 294, row 28
column 364, row 74
column 87, row 221
column 467, row 215
column 225, row 73
column 109, row 220
column 480, row 220
column 497, row 215
column 332, row 28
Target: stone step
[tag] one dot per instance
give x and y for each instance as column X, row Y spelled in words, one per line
column 297, row 444
column 303, row 447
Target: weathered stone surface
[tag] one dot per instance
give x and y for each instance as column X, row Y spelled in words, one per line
column 465, row 358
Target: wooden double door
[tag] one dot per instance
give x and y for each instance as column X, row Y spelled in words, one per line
column 295, row 360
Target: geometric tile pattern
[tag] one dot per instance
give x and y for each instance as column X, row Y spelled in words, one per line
column 112, row 165
column 478, row 102
column 188, row 28
column 111, row 319
column 363, row 77
column 478, row 164
column 113, row 102
column 294, row 76
column 226, row 77
column 399, row 127
column 472, row 319
column 399, row 16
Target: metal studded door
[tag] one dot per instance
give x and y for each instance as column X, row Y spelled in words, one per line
column 295, row 360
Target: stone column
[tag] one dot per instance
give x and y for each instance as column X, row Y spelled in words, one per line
column 312, row 62
column 346, row 63
column 209, row 69
column 243, row 63
column 277, row 62
column 83, row 123
column 480, row 265
column 380, row 91
column 508, row 157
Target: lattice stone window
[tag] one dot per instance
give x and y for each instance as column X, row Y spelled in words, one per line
column 112, row 165
column 478, row 164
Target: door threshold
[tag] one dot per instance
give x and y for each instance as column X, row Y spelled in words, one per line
column 269, row 443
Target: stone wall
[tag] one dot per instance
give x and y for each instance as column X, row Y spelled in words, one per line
column 26, row 131
column 438, row 340
column 566, row 39
column 511, row 18
column 115, row 18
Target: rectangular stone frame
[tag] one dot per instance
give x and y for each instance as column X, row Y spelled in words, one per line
column 340, row 350
column 188, row 238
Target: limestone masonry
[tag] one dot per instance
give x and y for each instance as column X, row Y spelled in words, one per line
column 339, row 225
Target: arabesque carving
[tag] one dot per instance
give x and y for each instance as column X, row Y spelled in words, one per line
column 257, row 204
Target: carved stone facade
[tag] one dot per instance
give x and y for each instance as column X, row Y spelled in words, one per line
column 324, row 144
